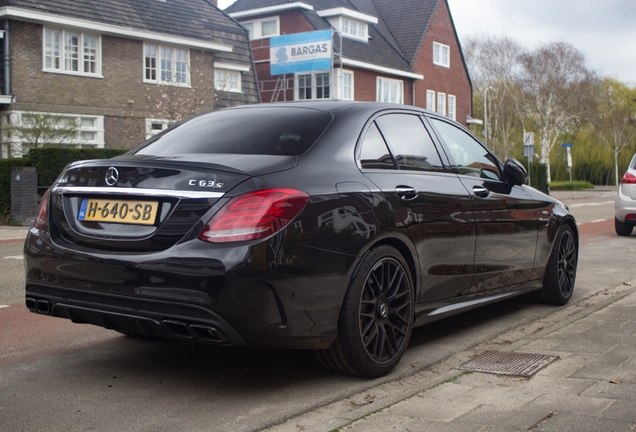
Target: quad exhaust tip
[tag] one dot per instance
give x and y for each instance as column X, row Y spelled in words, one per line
column 205, row 333
column 40, row 306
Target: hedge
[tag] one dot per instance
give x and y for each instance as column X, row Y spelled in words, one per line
column 539, row 177
column 49, row 163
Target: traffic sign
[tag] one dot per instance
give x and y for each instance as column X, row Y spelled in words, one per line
column 528, row 138
column 567, row 145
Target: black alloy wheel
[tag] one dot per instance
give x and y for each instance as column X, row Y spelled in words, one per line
column 376, row 319
column 385, row 311
column 558, row 284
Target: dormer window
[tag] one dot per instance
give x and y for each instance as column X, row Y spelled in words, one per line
column 354, row 29
column 262, row 28
column 351, row 24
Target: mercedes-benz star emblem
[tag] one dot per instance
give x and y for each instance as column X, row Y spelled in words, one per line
column 112, row 175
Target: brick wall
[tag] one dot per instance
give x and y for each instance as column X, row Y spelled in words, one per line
column 453, row 80
column 120, row 95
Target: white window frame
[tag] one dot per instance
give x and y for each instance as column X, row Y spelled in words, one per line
column 59, row 53
column 441, row 103
column 354, row 29
column 97, row 129
column 227, row 80
column 452, row 107
column 430, row 100
column 159, row 56
column 380, row 90
column 441, row 54
column 314, row 93
column 350, row 87
column 257, row 27
column 150, row 131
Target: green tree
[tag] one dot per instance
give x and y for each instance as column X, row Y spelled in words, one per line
column 615, row 122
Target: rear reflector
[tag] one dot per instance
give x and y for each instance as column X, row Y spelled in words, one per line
column 631, row 217
column 629, row 178
column 254, row 215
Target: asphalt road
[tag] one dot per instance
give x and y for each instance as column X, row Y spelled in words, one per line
column 59, row 376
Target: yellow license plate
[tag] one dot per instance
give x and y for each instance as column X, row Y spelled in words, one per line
column 118, row 211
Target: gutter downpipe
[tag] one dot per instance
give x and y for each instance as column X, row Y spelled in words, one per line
column 7, row 75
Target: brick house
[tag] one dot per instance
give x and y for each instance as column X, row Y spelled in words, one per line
column 404, row 51
column 117, row 71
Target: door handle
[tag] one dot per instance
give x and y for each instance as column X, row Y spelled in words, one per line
column 481, row 191
column 407, row 193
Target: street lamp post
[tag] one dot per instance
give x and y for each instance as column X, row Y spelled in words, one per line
column 486, row 113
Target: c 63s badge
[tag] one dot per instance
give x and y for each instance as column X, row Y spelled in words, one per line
column 205, row 184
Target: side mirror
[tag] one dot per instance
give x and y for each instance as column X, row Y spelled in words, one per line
column 515, row 172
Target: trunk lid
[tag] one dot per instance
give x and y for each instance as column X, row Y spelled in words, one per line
column 146, row 203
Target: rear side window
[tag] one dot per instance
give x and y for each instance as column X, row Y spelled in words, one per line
column 374, row 153
column 264, row 131
column 410, row 142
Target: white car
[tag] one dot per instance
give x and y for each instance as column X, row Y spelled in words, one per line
column 626, row 202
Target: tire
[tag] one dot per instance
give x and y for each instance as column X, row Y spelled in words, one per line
column 376, row 318
column 560, row 274
column 622, row 228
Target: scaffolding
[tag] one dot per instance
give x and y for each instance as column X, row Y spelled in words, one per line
column 283, row 88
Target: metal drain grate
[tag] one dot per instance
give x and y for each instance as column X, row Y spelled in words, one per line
column 506, row 363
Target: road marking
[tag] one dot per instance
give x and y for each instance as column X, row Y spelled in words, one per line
column 4, row 306
column 590, row 204
column 15, row 257
column 598, row 220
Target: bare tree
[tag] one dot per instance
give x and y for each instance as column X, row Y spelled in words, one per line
column 557, row 92
column 616, row 118
column 495, row 69
column 37, row 129
column 171, row 102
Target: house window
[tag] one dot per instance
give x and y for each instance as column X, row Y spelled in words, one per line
column 389, row 90
column 452, row 107
column 430, row 100
column 441, row 103
column 72, row 52
column 354, row 29
column 227, row 80
column 155, row 126
column 441, row 54
column 25, row 130
column 347, row 85
column 262, row 28
column 165, row 65
column 313, row 86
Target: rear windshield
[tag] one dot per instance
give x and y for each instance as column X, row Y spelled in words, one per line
column 286, row 131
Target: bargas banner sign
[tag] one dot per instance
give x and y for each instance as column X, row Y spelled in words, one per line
column 300, row 52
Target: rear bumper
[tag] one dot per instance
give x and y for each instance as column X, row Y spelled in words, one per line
column 625, row 206
column 275, row 293
column 132, row 316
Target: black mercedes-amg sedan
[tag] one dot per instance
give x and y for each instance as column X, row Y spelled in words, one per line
column 332, row 226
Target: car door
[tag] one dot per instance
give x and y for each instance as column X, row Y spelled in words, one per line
column 398, row 155
column 505, row 215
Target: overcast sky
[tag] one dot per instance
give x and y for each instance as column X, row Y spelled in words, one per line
column 604, row 30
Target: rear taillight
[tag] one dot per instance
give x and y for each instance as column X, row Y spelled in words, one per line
column 254, row 215
column 628, row 178
column 40, row 220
